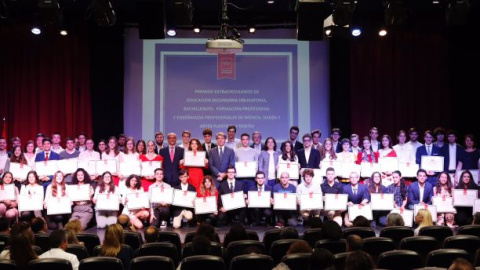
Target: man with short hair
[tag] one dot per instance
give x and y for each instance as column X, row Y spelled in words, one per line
column 46, row 155
column 355, row 141
column 357, row 194
column 39, row 142
column 186, row 135
column 15, row 141
column 316, row 135
column 124, row 221
column 68, row 153
column 151, row 234
column 335, row 135
column 82, row 138
column 245, row 153
column 220, row 158
column 58, row 245
column 122, row 139
column 294, row 130
column 257, row 142
column 159, row 142
column 330, row 186
column 452, row 152
column 413, row 135
column 285, row 216
column 159, row 212
column 373, row 134
column 207, row 137
column 231, row 185
column 420, row 191
column 3, row 154
column 232, row 142
column 256, row 214
column 56, row 140
column 308, row 187
column 171, row 160
column 308, row 157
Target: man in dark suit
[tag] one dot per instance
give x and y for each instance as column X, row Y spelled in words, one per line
column 171, row 160
column 357, row 194
column 452, row 152
column 230, row 185
column 46, row 155
column 207, row 146
column 294, row 130
column 220, row 158
column 158, row 142
column 308, row 157
column 413, row 194
column 257, row 142
column 180, row 213
column 257, row 213
column 428, row 149
column 335, row 135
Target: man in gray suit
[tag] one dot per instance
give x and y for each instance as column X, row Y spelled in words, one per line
column 220, row 158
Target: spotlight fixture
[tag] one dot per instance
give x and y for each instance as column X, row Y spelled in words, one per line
column 337, row 31
column 343, row 12
column 251, row 29
column 36, row 30
column 382, row 32
column 63, row 32
column 356, row 31
column 270, row 2
column 196, row 30
column 171, row 32
column 227, row 40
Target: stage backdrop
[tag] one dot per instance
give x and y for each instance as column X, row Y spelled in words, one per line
column 276, row 82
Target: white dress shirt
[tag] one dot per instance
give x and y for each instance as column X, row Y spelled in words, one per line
column 61, row 254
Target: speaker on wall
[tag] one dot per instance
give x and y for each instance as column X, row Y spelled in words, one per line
column 151, row 19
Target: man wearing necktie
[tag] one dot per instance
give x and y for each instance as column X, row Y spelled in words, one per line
column 256, row 190
column 220, row 158
column 229, row 187
column 172, row 154
column 357, row 194
column 429, row 149
column 45, row 156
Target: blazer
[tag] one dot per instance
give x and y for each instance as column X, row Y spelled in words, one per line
column 265, row 188
column 339, row 149
column 41, row 156
column 212, row 145
column 313, row 160
column 446, row 153
column 156, row 149
column 218, row 165
column 264, row 159
column 362, row 193
column 413, row 194
column 223, row 188
column 422, row 151
column 189, row 188
column 171, row 169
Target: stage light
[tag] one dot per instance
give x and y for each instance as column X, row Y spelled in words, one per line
column 270, row 2
column 196, row 30
column 251, row 29
column 382, row 32
column 36, row 30
column 171, row 32
column 63, row 32
column 356, row 31
column 343, row 12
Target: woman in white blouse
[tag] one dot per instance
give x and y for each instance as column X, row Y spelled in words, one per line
column 268, row 160
column 55, row 190
column 106, row 186
column 137, row 216
column 29, row 153
column 32, row 187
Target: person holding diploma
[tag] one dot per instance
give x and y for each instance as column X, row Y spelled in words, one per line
column 180, row 213
column 8, row 208
column 357, row 194
column 207, row 189
column 46, row 155
column 159, row 212
column 345, row 157
column 308, row 157
column 464, row 214
column 17, row 157
column 443, row 188
column 285, row 216
column 420, row 192
column 137, row 216
column 375, row 187
column 331, row 186
column 399, row 190
column 55, row 190
column 288, row 155
column 220, row 158
column 405, row 152
column 82, row 210
column 112, row 152
column 306, row 187
column 367, row 154
column 171, row 160
column 32, row 187
column 195, row 173
column 150, row 156
column 29, row 154
column 106, row 186
column 268, row 160
column 244, row 153
column 327, row 152
column 428, row 149
column 257, row 213
column 231, row 185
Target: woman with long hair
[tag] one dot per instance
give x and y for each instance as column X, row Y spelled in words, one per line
column 327, row 152
column 106, row 186
column 17, row 157
column 422, row 219
column 134, row 185
column 55, row 190
column 195, row 173
column 367, row 154
column 288, row 155
column 102, row 147
column 207, row 189
column 399, row 190
column 82, row 210
column 148, row 157
column 375, row 187
column 32, row 187
column 141, row 147
column 268, row 160
column 443, row 188
column 112, row 152
column 29, row 154
column 20, row 251
column 464, row 214
column 113, row 245
column 9, row 208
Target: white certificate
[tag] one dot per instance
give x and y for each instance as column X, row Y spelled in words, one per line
column 161, row 195
column 107, row 202
column 149, row 167
column 184, row 198
column 432, row 163
column 284, row 201
column 7, row 192
column 68, row 166
column 444, row 204
column 464, row 197
column 88, row 165
column 257, row 199
column 59, row 205
column 360, row 210
column 206, row 205
column 106, row 165
column 407, row 216
column 336, row 201
column 246, row 169
column 291, row 168
column 232, row 201
column 457, row 175
column 431, row 208
column 348, row 168
column 476, row 206
column 137, row 200
column 45, row 168
column 368, row 168
column 19, row 170
column 78, row 192
column 408, row 169
column 388, row 164
column 381, row 201
column 32, row 202
column 336, row 165
column 311, row 201
column 194, row 158
column 129, row 167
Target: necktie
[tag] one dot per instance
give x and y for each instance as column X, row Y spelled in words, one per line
column 259, row 189
column 428, row 150
column 46, row 156
column 171, row 154
column 354, row 191
column 221, row 152
column 231, row 187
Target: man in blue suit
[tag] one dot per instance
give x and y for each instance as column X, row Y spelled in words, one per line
column 257, row 213
column 308, row 157
column 428, row 149
column 230, row 185
column 419, row 192
column 172, row 154
column 357, row 194
column 220, row 158
column 46, row 155
column 452, row 152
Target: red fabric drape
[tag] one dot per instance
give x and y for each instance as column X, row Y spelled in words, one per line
column 44, row 83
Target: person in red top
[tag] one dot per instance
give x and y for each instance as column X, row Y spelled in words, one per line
column 195, row 173
column 367, row 154
column 149, row 156
column 207, row 189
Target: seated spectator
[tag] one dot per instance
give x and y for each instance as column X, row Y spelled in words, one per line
column 461, row 264
column 297, row 247
column 315, row 223
column 354, row 243
column 395, row 219
column 58, row 245
column 361, row 221
column 359, row 260
column 113, row 245
column 331, row 230
column 124, row 221
column 72, row 238
column 151, row 234
column 39, row 225
column 289, row 233
column 476, row 219
column 201, row 245
column 20, row 251
column 321, row 259
column 236, row 233
column 74, row 225
column 206, row 230
column 4, row 225
column 422, row 219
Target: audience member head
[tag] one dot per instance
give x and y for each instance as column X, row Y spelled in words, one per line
column 71, row 237
column 395, row 219
column 113, row 240
column 359, row 260
column 423, row 218
column 331, row 230
column 299, row 247
column 237, row 232
column 124, row 221
column 74, row 225
column 25, row 229
column 289, row 233
column 354, row 243
column 361, row 221
column 201, row 245
column 321, row 259
column 4, row 225
column 21, row 250
column 151, row 234
column 58, row 239
column 315, row 222
column 476, row 219
column 206, row 230
column 39, row 225
column 461, row 264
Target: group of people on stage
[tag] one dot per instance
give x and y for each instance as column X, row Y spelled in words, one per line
column 216, row 175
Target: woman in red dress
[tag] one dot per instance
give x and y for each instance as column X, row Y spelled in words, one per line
column 149, row 156
column 195, row 173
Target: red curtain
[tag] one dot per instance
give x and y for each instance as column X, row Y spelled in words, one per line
column 44, row 83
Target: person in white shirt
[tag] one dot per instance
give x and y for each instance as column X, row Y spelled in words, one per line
column 413, row 134
column 90, row 155
column 355, row 147
column 3, row 154
column 373, row 133
column 58, row 244
column 232, row 142
column 308, row 187
column 405, row 151
column 159, row 212
column 32, row 187
column 246, row 154
column 56, row 140
column 82, row 138
column 186, row 135
column 316, row 135
column 39, row 143
column 137, row 216
column 106, row 186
